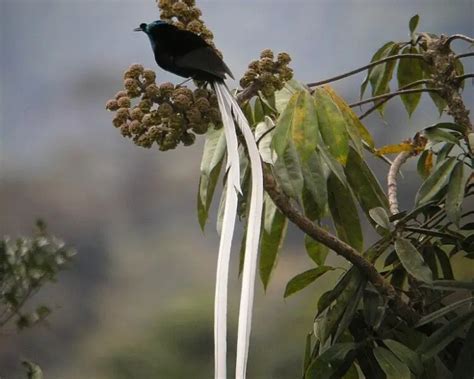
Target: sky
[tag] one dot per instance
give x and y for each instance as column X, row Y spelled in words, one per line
column 61, row 158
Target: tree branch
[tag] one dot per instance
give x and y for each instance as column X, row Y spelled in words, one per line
column 360, row 69
column 459, row 36
column 393, row 94
column 459, row 56
column 341, row 248
column 463, row 77
column 392, row 187
column 410, row 85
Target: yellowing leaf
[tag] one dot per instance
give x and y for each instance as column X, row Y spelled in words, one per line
column 351, row 118
column 394, row 149
column 332, row 126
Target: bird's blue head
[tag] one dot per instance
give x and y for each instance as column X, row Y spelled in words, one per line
column 148, row 28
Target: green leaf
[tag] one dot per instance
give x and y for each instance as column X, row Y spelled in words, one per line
column 444, row 262
column 379, row 54
column 452, row 285
column 390, row 365
column 465, row 364
column 380, row 216
column 298, row 123
column 33, row 370
column 258, row 112
column 273, row 235
column 248, row 113
column 443, row 311
column 364, row 183
column 307, row 352
column 436, row 181
column 344, row 213
column 444, row 335
column 316, row 250
column 284, row 95
column 412, row 261
column 436, row 134
column 328, row 362
column 328, row 297
column 263, row 135
column 374, row 307
column 443, row 153
column 212, row 157
column 381, row 75
column 455, row 195
column 450, row 126
column 349, row 311
column 413, row 23
column 406, row 355
column 315, row 178
column 304, row 279
column 332, row 126
column 328, row 321
column 288, row 173
column 334, row 166
column 410, row 70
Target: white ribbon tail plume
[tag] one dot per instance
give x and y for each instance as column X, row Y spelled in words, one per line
column 225, row 245
column 252, row 238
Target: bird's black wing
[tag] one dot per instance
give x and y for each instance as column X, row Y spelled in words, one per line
column 175, row 41
column 189, row 51
column 204, row 59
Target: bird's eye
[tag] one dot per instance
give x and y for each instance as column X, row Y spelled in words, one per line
column 143, row 26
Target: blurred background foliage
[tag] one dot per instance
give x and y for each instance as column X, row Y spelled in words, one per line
column 138, row 299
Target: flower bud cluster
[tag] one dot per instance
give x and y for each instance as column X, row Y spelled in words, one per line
column 269, row 73
column 164, row 114
column 185, row 15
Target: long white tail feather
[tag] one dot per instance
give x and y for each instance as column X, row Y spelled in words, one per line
column 225, row 245
column 252, row 238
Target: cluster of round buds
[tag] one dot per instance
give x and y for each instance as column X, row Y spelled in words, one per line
column 150, row 113
column 269, row 73
column 185, row 15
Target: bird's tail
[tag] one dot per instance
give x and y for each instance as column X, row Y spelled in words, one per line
column 228, row 223
column 253, row 230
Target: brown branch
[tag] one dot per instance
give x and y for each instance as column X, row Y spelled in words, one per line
column 459, row 36
column 249, row 92
column 392, row 187
column 339, row 247
column 410, row 85
column 393, row 94
column 463, row 77
column 360, row 69
column 459, row 56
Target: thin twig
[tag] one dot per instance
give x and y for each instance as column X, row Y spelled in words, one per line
column 459, row 36
column 410, row 85
column 360, row 69
column 392, row 180
column 463, row 77
column 393, row 94
column 459, row 56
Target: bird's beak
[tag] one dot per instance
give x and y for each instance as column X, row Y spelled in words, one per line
column 138, row 29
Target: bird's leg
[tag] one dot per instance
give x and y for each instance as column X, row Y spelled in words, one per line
column 184, row 82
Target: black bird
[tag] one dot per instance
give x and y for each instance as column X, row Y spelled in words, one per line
column 184, row 53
